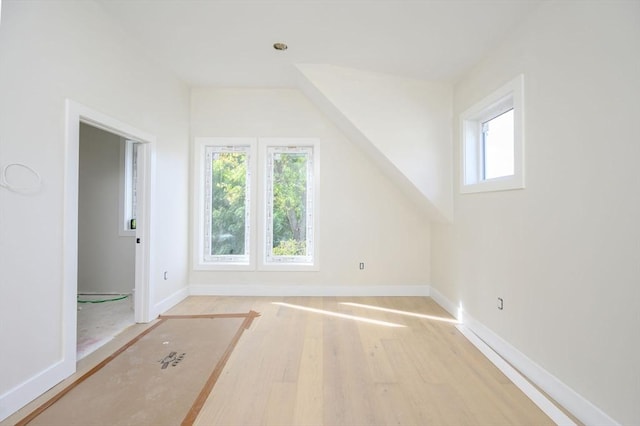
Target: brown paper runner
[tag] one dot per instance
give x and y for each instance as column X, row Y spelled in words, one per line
column 161, row 377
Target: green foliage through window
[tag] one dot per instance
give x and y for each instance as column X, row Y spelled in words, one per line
column 228, row 203
column 289, row 202
column 281, row 215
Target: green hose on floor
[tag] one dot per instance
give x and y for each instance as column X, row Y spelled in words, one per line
column 103, row 300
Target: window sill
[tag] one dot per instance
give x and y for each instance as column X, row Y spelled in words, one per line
column 223, row 267
column 507, row 183
column 289, row 267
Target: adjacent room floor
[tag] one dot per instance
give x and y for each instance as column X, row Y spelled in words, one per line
column 101, row 320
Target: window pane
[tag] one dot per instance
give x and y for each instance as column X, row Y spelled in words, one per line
column 133, row 202
column 289, row 204
column 228, row 203
column 129, row 188
column 498, row 143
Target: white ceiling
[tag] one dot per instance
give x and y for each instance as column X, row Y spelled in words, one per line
column 229, row 43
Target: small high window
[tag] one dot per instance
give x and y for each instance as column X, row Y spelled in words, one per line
column 492, row 137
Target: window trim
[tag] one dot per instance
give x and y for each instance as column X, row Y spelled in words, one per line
column 210, row 152
column 509, row 96
column 128, row 187
column 201, row 261
column 295, row 264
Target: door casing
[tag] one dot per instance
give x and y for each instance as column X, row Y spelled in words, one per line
column 143, row 307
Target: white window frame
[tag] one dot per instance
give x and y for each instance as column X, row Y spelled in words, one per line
column 510, row 96
column 291, row 263
column 204, row 148
column 128, row 187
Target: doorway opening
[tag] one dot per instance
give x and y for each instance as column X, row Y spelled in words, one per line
column 107, row 180
column 94, row 266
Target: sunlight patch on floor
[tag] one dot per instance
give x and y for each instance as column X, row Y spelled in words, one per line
column 396, row 311
column 339, row 315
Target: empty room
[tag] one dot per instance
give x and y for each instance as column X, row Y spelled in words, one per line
column 320, row 212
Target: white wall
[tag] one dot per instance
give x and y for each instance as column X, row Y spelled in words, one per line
column 402, row 124
column 363, row 217
column 106, row 259
column 50, row 51
column 564, row 253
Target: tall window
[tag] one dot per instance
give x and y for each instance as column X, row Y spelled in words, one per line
column 289, row 231
column 227, row 204
column 240, row 228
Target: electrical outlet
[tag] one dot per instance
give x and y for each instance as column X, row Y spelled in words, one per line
column 361, row 265
column 500, row 303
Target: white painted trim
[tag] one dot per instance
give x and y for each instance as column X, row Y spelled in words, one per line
column 573, row 402
column 76, row 113
column 520, row 381
column 22, row 394
column 172, row 300
column 70, row 239
column 263, row 149
column 307, row 290
column 455, row 311
column 471, row 180
column 144, row 308
column 200, row 145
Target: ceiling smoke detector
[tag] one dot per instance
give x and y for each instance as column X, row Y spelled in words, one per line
column 280, row 46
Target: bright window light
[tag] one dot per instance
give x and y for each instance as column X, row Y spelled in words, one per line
column 492, row 141
column 225, row 201
column 231, row 232
column 289, row 238
column 228, row 204
column 497, row 144
column 289, row 203
column 131, row 184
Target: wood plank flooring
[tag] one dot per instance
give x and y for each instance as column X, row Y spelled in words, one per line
column 300, row 367
column 315, row 361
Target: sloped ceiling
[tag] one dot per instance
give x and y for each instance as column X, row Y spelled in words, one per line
column 403, row 124
column 229, row 42
column 386, row 72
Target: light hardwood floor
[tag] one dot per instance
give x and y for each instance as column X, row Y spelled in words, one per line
column 296, row 367
column 300, row 367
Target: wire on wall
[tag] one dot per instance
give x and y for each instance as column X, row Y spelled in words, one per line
column 5, row 182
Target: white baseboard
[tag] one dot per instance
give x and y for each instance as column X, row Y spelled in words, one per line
column 445, row 303
column 16, row 398
column 307, row 290
column 518, row 379
column 573, row 402
column 172, row 300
